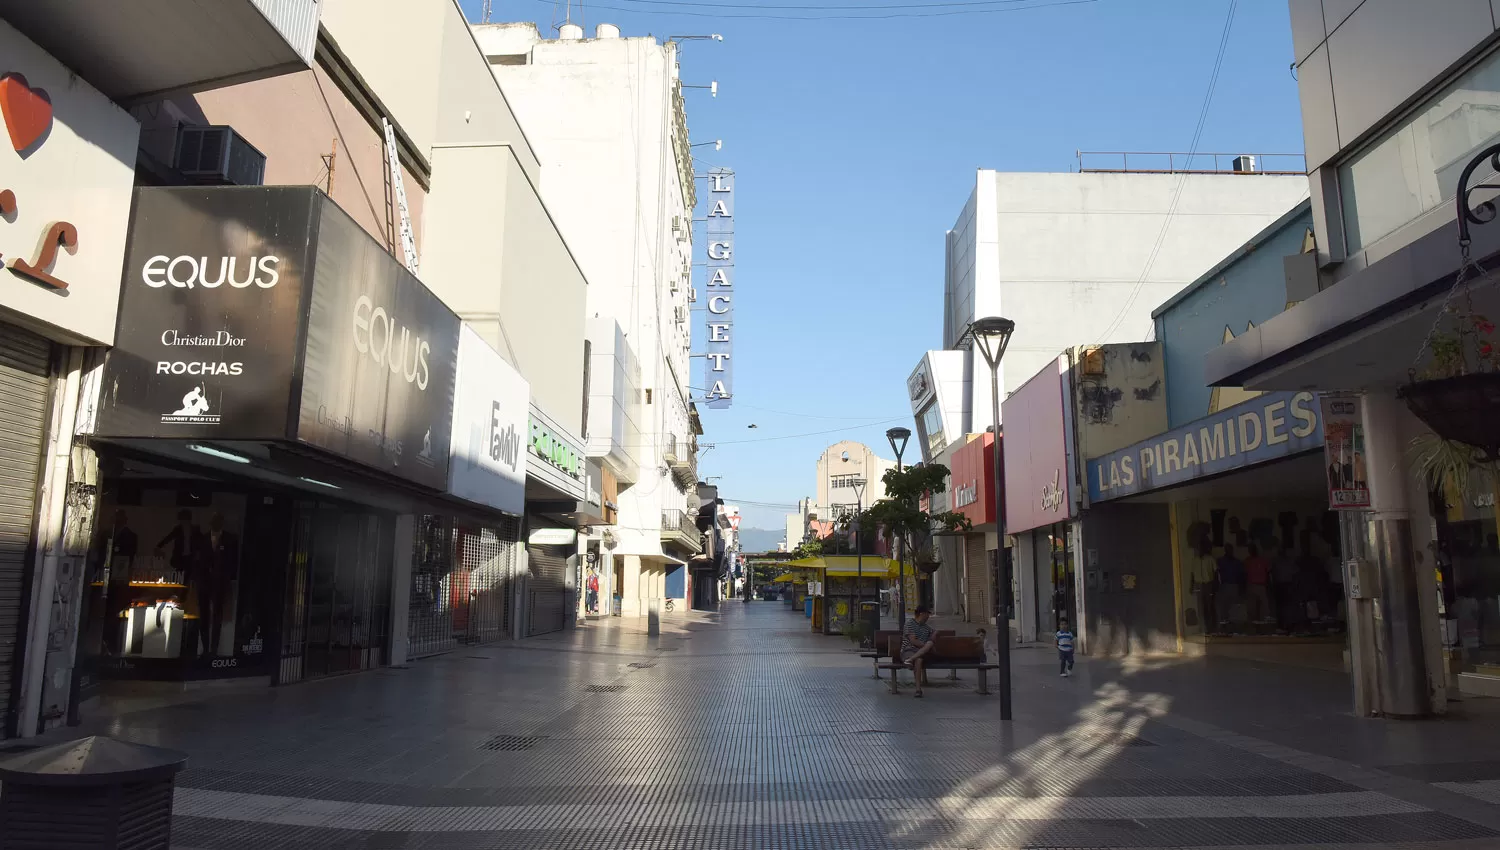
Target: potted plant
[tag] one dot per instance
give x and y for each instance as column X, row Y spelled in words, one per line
column 1457, row 393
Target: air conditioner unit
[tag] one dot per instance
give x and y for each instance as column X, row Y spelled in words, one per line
column 681, row 314
column 218, row 155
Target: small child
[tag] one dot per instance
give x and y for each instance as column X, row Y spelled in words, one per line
column 1065, row 647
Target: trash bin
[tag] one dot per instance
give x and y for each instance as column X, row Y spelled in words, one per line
column 95, row 792
column 869, row 618
column 807, row 605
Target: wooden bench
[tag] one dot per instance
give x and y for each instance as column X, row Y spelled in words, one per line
column 949, row 652
column 883, row 646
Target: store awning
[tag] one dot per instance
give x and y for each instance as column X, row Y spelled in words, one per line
column 873, row 566
column 783, row 577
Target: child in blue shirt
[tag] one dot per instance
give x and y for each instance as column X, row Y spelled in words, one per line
column 1065, row 647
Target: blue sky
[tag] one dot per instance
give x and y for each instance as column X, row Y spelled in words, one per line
column 855, row 144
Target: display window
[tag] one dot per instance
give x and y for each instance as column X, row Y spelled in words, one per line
column 1259, row 568
column 172, row 590
column 1468, row 574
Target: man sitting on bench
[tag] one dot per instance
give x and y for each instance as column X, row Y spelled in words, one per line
column 917, row 643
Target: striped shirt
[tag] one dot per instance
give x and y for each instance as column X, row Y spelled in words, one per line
column 915, row 637
column 1064, row 640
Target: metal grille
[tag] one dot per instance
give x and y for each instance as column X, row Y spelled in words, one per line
column 978, row 603
column 549, row 594
column 461, row 584
column 24, row 369
column 337, row 609
column 510, row 743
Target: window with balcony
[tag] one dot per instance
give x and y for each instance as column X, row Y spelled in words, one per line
column 1414, row 167
column 932, row 429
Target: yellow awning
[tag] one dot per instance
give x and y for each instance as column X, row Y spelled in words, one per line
column 783, row 577
column 874, row 566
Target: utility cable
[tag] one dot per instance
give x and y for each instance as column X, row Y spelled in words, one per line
column 844, row 17
column 1161, row 236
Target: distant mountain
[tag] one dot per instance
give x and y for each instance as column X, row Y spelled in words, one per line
column 760, row 539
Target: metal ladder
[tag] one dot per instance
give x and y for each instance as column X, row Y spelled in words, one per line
column 408, row 237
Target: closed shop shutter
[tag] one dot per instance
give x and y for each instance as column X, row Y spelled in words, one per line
column 549, row 592
column 978, row 604
column 24, row 369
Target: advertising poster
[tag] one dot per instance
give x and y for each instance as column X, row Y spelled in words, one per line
column 1344, row 453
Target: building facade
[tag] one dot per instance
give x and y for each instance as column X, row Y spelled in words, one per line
column 66, row 199
column 1397, row 102
column 608, row 119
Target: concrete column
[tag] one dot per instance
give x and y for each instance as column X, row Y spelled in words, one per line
column 1399, row 661
column 406, row 532
column 1026, row 583
column 630, row 603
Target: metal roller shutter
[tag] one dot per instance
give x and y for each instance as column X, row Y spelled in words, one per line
column 25, row 366
column 549, row 593
column 978, row 604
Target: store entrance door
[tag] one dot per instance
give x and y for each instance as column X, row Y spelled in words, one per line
column 338, row 593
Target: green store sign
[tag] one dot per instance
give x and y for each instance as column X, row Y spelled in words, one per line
column 554, row 451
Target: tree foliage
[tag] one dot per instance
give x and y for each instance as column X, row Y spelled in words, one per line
column 900, row 516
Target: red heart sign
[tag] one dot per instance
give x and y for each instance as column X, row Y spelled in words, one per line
column 27, row 111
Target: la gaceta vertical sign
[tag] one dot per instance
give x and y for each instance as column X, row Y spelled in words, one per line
column 718, row 378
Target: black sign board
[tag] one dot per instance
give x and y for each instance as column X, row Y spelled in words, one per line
column 381, row 359
column 266, row 313
column 209, row 310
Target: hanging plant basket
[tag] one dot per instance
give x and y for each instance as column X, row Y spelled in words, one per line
column 1464, row 408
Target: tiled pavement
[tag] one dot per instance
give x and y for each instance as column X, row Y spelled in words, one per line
column 742, row 730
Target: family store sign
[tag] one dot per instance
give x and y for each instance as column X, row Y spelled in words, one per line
column 1265, row 428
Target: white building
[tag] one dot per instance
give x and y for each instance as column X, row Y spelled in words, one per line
column 840, row 468
column 1076, row 259
column 607, row 120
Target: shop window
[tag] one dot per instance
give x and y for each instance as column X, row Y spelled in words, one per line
column 1414, row 167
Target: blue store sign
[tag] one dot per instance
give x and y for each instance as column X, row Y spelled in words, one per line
column 1265, row 428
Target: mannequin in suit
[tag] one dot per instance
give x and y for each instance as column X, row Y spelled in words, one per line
column 216, row 574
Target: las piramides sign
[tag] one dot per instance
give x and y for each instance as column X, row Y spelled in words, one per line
column 266, row 313
column 1265, row 428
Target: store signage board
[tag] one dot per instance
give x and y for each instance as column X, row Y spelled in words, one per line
column 381, row 358
column 67, row 173
column 208, row 319
column 718, row 292
column 556, row 458
column 1266, row 428
column 490, row 422
column 1344, row 452
column 552, row 537
column 1038, row 486
column 221, row 286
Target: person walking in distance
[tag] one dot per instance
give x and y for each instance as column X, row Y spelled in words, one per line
column 1065, row 647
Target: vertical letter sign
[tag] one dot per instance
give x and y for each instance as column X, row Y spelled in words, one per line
column 718, row 377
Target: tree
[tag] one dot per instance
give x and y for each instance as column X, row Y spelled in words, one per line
column 809, row 549
column 900, row 516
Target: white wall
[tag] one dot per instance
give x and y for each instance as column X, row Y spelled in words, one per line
column 600, row 114
column 1063, row 254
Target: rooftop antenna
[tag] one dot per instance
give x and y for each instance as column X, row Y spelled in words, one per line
column 486, row 10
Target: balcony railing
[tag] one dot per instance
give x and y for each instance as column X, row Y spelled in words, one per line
column 1153, row 162
column 681, row 527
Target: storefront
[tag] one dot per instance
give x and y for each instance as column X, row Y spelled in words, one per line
column 464, row 562
column 1254, row 551
column 277, row 408
column 556, row 505
column 971, row 492
column 1468, row 540
column 1040, row 505
column 66, row 171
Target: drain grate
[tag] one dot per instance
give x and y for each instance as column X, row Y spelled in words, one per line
column 605, row 689
column 510, row 743
column 641, row 665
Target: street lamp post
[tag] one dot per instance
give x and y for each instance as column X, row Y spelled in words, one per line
column 859, row 549
column 898, row 437
column 991, row 335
